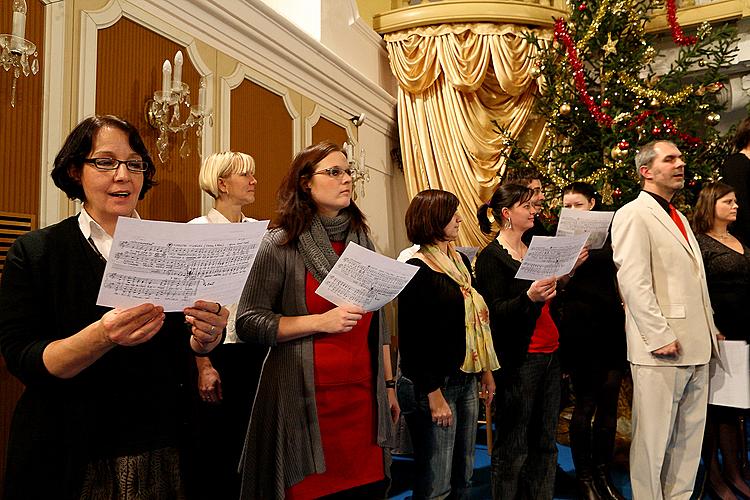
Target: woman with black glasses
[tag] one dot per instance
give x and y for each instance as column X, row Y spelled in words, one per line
column 324, row 412
column 103, row 410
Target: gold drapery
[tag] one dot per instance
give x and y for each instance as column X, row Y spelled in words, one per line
column 454, row 79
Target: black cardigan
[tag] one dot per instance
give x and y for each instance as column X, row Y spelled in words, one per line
column 432, row 327
column 513, row 314
column 129, row 401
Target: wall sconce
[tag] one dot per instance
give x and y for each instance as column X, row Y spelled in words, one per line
column 355, row 155
column 16, row 50
column 163, row 112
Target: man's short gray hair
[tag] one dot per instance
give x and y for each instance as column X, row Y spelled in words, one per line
column 646, row 154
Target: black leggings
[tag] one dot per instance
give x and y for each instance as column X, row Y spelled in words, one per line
column 596, row 392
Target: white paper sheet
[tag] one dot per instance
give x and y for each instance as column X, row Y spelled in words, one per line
column 365, row 278
column 173, row 265
column 550, row 256
column 595, row 224
column 730, row 383
column 470, row 252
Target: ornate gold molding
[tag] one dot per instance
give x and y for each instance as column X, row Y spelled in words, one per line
column 694, row 15
column 533, row 14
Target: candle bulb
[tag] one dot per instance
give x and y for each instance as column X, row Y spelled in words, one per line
column 19, row 23
column 202, row 94
column 177, row 81
column 166, row 77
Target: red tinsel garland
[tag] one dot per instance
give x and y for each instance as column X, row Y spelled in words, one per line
column 562, row 35
column 677, row 34
column 667, row 126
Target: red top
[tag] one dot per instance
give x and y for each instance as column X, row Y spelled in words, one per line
column 545, row 338
column 345, row 400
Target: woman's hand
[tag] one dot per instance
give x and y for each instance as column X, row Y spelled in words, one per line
column 133, row 326
column 487, row 386
column 393, row 405
column 543, row 290
column 340, row 319
column 582, row 257
column 207, row 322
column 441, row 412
column 209, row 384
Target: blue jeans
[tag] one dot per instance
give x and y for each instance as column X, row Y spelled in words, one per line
column 524, row 454
column 443, row 456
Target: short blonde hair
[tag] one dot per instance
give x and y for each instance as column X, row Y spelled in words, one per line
column 222, row 165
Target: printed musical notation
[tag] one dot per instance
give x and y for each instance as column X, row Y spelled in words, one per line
column 549, row 256
column 595, row 224
column 365, row 278
column 173, row 265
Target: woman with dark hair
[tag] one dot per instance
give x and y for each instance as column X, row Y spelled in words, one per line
column 727, row 263
column 324, row 411
column 592, row 351
column 104, row 405
column 524, row 454
column 736, row 173
column 444, row 352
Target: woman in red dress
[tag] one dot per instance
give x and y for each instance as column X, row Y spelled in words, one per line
column 324, row 410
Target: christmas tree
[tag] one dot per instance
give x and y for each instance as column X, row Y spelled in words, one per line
column 602, row 97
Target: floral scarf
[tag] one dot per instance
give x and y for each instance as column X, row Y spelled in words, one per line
column 480, row 352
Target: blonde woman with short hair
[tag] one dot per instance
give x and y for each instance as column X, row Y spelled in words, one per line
column 228, row 379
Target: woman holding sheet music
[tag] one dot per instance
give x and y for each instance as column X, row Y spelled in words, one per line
column 103, row 412
column 444, row 354
column 727, row 263
column 524, row 454
column 592, row 352
column 325, row 406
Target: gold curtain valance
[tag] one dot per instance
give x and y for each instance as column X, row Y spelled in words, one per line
column 454, row 80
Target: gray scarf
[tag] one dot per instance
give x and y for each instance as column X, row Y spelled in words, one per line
column 315, row 243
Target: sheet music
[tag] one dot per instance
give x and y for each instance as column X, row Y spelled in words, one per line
column 595, row 224
column 550, row 256
column 470, row 252
column 173, row 265
column 730, row 382
column 365, row 278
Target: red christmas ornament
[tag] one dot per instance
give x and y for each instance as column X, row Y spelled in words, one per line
column 617, row 193
column 606, row 103
column 582, row 7
column 656, row 131
column 623, row 144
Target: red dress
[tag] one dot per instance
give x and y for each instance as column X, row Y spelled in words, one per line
column 345, row 400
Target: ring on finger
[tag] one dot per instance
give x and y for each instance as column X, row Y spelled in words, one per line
column 213, row 327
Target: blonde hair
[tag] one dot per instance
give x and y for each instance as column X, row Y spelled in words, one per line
column 223, row 165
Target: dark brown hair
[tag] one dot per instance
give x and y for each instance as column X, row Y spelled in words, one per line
column 742, row 136
column 705, row 208
column 428, row 214
column 66, row 172
column 505, row 196
column 296, row 207
column 522, row 177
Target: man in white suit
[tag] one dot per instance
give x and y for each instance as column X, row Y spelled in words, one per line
column 669, row 325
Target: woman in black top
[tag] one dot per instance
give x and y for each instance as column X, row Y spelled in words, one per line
column 736, row 173
column 524, row 454
column 592, row 351
column 727, row 263
column 445, row 344
column 103, row 411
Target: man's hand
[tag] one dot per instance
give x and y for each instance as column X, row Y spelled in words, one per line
column 672, row 349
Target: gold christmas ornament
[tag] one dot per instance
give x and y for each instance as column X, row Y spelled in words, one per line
column 649, row 54
column 606, row 192
column 616, row 153
column 565, row 109
column 654, row 103
column 713, row 119
column 610, row 47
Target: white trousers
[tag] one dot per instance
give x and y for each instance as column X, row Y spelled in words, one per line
column 669, row 415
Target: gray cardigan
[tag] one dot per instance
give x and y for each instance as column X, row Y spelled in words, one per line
column 283, row 440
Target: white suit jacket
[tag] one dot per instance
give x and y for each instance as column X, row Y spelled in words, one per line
column 663, row 285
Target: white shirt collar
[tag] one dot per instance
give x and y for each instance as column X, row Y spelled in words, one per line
column 215, row 217
column 93, row 232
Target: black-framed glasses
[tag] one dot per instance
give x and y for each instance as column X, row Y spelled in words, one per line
column 334, row 172
column 108, row 164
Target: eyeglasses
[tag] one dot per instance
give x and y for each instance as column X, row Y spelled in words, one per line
column 109, row 164
column 334, row 172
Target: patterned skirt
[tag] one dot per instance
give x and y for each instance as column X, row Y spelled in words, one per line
column 152, row 475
